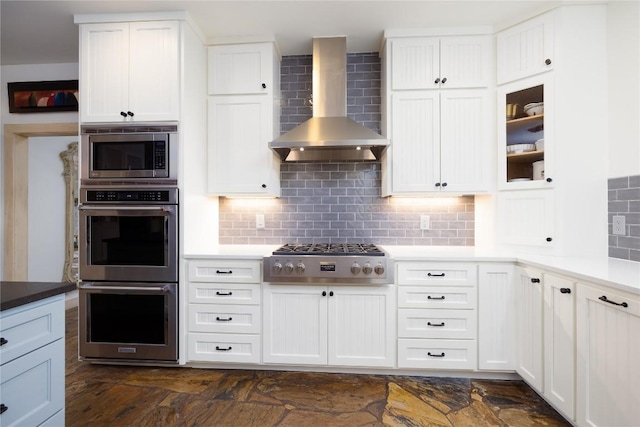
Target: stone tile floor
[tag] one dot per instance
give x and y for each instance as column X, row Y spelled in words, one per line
column 101, row 395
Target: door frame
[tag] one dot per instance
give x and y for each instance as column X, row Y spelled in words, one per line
column 16, row 195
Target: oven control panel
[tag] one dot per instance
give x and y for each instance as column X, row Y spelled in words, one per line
column 156, row 195
column 320, row 269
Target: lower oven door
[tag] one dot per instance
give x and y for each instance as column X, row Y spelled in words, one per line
column 129, row 243
column 134, row 321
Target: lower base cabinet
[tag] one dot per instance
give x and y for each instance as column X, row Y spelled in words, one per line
column 608, row 362
column 32, row 358
column 335, row 325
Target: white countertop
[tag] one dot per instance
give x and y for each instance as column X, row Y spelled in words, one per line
column 620, row 274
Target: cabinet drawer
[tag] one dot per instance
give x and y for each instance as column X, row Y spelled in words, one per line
column 437, row 354
column 223, row 271
column 26, row 329
column 224, row 348
column 437, row 297
column 225, row 318
column 450, row 324
column 437, row 273
column 224, row 293
column 32, row 386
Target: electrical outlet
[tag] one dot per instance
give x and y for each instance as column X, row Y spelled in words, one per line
column 425, row 222
column 619, row 225
column 260, row 221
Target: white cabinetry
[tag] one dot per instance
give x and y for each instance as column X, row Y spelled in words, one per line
column 529, row 326
column 224, row 315
column 608, row 350
column 559, row 343
column 336, row 325
column 525, row 49
column 243, row 116
column 32, row 371
column 130, row 71
column 569, row 138
column 437, row 318
column 496, row 317
column 437, row 121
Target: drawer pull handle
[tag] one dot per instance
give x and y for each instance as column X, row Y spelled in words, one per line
column 435, row 324
column 224, row 272
column 535, row 280
column 565, row 290
column 3, row 341
column 435, row 275
column 224, row 294
column 621, row 304
column 435, row 355
column 219, row 319
column 438, row 298
column 223, row 349
column 3, row 408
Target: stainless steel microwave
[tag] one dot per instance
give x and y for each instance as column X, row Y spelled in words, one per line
column 129, row 152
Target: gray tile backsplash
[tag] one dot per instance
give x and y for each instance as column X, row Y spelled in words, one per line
column 624, row 200
column 340, row 202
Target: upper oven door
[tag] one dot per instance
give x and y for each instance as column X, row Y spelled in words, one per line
column 129, row 243
column 127, row 156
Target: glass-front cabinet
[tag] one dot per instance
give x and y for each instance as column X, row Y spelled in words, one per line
column 525, row 132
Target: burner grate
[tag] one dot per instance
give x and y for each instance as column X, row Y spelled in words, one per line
column 329, row 249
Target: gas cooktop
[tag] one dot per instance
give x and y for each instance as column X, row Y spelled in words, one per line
column 348, row 263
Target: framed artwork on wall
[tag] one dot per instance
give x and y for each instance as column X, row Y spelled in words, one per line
column 43, row 97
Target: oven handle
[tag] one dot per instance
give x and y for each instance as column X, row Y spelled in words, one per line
column 125, row 208
column 164, row 289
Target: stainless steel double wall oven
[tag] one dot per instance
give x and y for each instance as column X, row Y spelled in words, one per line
column 128, row 249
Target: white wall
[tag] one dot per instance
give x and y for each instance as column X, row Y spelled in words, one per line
column 47, row 211
column 23, row 73
column 623, row 45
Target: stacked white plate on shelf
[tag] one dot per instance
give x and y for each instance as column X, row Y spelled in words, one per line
column 520, row 148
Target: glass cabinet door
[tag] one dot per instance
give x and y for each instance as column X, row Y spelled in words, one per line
column 525, row 134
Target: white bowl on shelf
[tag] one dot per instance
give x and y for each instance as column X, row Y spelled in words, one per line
column 520, row 148
column 539, row 144
column 534, row 109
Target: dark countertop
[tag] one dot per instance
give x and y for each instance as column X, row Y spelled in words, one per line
column 14, row 294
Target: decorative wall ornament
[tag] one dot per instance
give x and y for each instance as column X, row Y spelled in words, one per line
column 69, row 159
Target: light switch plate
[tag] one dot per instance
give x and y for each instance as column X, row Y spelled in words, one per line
column 619, row 225
column 260, row 221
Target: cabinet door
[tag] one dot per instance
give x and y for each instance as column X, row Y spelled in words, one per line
column 464, row 137
column 559, row 343
column 154, row 71
column 526, row 218
column 415, row 63
column 464, row 62
column 529, row 326
column 104, row 71
column 240, row 161
column 415, row 141
column 295, row 324
column 525, row 49
column 362, row 326
column 32, row 386
column 240, row 69
column 496, row 317
column 608, row 352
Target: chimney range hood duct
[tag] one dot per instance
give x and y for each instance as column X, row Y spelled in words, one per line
column 329, row 135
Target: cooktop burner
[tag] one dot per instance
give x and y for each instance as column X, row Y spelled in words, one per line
column 329, row 249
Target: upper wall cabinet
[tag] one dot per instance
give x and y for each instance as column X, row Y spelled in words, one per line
column 439, row 63
column 525, row 49
column 129, row 71
column 241, row 69
column 243, row 116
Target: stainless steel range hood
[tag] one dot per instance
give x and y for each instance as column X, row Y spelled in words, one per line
column 329, row 134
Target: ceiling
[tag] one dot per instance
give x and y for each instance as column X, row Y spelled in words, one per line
column 41, row 32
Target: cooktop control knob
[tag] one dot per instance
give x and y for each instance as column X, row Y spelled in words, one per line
column 379, row 269
column 355, row 268
column 288, row 268
column 366, row 268
column 277, row 268
column 300, row 268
